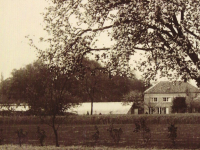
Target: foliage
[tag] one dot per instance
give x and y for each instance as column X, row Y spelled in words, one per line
column 135, row 96
column 179, row 105
column 96, row 85
column 181, row 118
column 166, row 31
column 34, row 83
column 195, row 104
column 31, row 84
column 6, row 99
column 47, row 90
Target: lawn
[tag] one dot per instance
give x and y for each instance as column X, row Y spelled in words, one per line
column 188, row 136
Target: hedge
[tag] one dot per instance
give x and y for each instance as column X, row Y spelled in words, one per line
column 189, row 118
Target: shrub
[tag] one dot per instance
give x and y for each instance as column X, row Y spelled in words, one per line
column 41, row 135
column 22, row 135
column 179, row 105
column 145, row 131
column 115, row 133
column 1, row 136
column 172, row 133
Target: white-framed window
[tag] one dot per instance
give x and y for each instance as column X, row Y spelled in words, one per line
column 154, row 99
column 166, row 99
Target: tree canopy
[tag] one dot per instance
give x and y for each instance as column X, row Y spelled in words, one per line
column 30, row 84
column 167, row 31
column 179, row 105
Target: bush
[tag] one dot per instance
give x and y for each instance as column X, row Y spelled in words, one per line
column 172, row 133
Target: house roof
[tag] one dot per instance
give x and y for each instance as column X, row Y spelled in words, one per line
column 171, row 87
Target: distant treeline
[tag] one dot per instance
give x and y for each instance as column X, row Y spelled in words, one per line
column 27, row 84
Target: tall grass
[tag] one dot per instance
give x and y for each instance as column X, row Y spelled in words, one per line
column 107, row 119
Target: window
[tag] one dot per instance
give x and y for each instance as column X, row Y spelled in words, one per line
column 159, row 110
column 166, row 99
column 154, row 100
column 151, row 110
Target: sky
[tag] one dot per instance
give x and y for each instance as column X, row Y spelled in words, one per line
column 19, row 18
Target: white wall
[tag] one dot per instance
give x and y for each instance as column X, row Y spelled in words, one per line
column 102, row 107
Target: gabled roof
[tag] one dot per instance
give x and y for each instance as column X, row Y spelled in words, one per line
column 171, row 87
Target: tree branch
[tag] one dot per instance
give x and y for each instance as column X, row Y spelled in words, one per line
column 98, row 49
column 169, row 26
column 178, row 60
column 180, row 33
column 144, row 49
column 192, row 33
column 163, row 31
column 94, row 30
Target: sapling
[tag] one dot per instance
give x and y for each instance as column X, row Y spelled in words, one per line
column 172, row 133
column 95, row 136
column 41, row 135
column 1, row 136
column 21, row 136
column 145, row 131
column 137, row 127
column 115, row 133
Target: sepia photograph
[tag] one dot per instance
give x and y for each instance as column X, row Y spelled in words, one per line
column 99, row 74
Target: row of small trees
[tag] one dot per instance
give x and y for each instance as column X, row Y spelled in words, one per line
column 115, row 133
column 23, row 135
column 140, row 127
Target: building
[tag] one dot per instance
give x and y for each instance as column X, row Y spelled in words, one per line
column 13, row 109
column 101, row 108
column 158, row 99
column 82, row 109
column 136, row 109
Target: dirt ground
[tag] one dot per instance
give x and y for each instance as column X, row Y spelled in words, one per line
column 29, row 147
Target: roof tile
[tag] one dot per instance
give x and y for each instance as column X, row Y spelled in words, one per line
column 171, row 87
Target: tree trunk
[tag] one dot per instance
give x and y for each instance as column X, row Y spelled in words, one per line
column 56, row 136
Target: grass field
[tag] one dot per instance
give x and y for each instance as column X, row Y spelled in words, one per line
column 188, row 136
